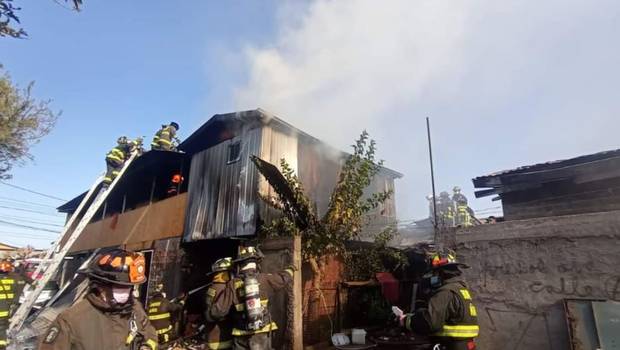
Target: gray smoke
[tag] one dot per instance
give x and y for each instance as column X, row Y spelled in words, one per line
column 505, row 83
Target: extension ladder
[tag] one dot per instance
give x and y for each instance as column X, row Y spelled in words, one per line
column 55, row 255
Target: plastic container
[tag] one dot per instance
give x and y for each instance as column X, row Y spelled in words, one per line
column 358, row 336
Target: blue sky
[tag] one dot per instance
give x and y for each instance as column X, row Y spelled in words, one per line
column 121, row 68
column 505, row 83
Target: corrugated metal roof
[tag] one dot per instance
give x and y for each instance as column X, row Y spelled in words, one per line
column 556, row 164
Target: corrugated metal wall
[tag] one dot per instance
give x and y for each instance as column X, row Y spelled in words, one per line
column 222, row 195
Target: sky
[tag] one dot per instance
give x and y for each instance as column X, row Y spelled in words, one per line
column 504, row 84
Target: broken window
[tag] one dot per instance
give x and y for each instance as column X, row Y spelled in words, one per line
column 234, row 152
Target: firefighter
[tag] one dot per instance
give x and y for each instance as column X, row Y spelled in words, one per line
column 13, row 283
column 116, row 158
column 445, row 208
column 164, row 138
column 248, row 294
column 175, row 184
column 8, row 298
column 448, row 315
column 108, row 317
column 218, row 327
column 164, row 313
column 463, row 216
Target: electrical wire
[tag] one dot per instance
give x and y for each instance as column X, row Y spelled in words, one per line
column 27, row 202
column 26, row 226
column 31, row 221
column 32, row 191
column 31, row 211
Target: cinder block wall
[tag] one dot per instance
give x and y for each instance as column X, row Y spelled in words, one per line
column 522, row 270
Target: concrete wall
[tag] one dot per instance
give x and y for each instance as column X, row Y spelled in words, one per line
column 522, row 270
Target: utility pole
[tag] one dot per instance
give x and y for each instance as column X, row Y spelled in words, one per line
column 430, row 155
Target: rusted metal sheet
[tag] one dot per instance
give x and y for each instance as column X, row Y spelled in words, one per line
column 581, row 327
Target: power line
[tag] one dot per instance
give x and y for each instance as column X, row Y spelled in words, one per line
column 30, row 211
column 26, row 226
column 26, row 235
column 27, row 202
column 30, row 221
column 31, row 191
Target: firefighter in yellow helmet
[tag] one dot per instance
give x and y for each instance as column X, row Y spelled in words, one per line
column 218, row 326
column 165, row 137
column 163, row 313
column 108, row 317
column 448, row 314
column 248, row 294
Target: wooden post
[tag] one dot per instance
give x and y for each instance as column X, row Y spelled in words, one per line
column 298, row 334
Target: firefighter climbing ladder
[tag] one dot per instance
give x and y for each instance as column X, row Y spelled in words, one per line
column 55, row 256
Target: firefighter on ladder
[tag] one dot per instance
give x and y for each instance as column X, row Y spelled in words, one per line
column 449, row 315
column 248, row 294
column 218, row 326
column 11, row 286
column 163, row 314
column 108, row 317
column 116, row 158
column 165, row 137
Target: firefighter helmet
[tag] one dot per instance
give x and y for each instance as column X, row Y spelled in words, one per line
column 247, row 253
column 6, row 266
column 122, row 140
column 174, row 125
column 456, row 189
column 444, row 259
column 223, row 264
column 444, row 194
column 118, row 266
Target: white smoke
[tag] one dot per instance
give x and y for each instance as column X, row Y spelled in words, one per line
column 505, row 83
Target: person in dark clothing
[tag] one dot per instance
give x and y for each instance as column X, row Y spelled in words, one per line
column 163, row 314
column 218, row 326
column 248, row 295
column 449, row 315
column 108, row 317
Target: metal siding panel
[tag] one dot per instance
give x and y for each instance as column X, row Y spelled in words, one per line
column 222, row 196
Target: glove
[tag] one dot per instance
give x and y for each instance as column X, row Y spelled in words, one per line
column 292, row 267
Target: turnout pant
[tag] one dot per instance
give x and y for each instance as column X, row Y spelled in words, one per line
column 260, row 341
column 113, row 168
column 4, row 325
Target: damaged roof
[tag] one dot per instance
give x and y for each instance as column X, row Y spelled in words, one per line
column 143, row 167
column 586, row 168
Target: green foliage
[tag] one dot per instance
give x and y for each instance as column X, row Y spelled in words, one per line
column 364, row 262
column 23, row 122
column 8, row 18
column 345, row 217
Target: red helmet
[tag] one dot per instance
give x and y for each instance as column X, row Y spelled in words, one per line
column 118, row 266
column 6, row 266
column 444, row 259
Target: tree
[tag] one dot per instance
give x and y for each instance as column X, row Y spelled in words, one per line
column 23, row 122
column 8, row 18
column 346, row 214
